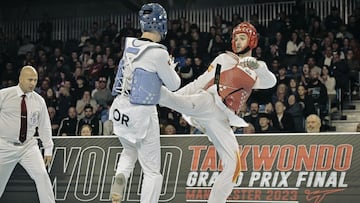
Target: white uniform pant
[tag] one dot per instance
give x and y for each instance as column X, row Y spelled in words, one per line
column 147, row 151
column 30, row 158
column 202, row 108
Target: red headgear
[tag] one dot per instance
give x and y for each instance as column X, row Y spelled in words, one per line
column 247, row 29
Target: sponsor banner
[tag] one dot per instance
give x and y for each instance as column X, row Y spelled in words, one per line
column 296, row 168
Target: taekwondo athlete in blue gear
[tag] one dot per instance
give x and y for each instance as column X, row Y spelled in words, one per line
column 143, row 69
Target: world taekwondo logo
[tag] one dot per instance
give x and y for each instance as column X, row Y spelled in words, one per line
column 318, row 196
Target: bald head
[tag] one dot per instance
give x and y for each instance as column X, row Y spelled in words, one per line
column 313, row 123
column 27, row 70
column 28, row 79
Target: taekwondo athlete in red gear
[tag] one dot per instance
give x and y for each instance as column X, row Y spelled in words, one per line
column 143, row 69
column 211, row 108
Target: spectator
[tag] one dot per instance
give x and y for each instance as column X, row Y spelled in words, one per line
column 86, row 60
column 86, row 99
column 86, row 130
column 345, row 46
column 307, row 48
column 295, row 109
column 65, row 100
column 198, row 68
column 78, row 71
column 294, row 73
column 265, row 124
column 340, row 71
column 329, row 83
column 249, row 130
column 275, row 64
column 50, row 98
column 103, row 94
column 26, row 47
column 312, row 62
column 354, row 69
column 254, row 20
column 318, row 92
column 333, row 21
column 336, row 47
column 172, row 46
column 353, row 26
column 168, row 115
column 96, row 86
column 305, row 76
column 104, row 115
column 108, row 127
column 326, row 42
column 95, row 31
column 127, row 30
column 9, row 76
column 253, row 116
column 109, row 71
column 293, row 47
column 277, row 24
column 312, row 16
column 328, row 56
column 43, row 64
column 80, row 87
column 293, row 85
column 42, row 90
column 282, row 77
column 217, row 47
column 242, row 112
column 281, row 93
column 278, row 47
column 317, row 30
column 182, row 127
column 259, row 55
column 282, row 121
column 74, row 58
column 169, row 129
column 269, row 108
column 90, row 119
column 186, row 72
column 28, row 59
column 95, row 69
column 313, row 123
column 54, row 120
column 69, row 123
column 315, row 53
column 181, row 57
column 306, row 101
column 56, row 57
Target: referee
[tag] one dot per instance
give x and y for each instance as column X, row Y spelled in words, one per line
column 22, row 111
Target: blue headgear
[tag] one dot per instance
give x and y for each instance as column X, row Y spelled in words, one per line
column 153, row 18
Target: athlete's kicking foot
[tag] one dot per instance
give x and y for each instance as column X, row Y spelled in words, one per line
column 117, row 189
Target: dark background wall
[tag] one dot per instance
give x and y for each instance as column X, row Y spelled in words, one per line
column 35, row 9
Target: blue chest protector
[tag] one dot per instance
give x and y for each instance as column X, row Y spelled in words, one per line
column 145, row 87
column 142, row 86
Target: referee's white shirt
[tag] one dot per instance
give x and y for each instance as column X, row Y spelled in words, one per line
column 37, row 116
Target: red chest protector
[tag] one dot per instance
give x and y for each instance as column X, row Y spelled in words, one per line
column 235, row 86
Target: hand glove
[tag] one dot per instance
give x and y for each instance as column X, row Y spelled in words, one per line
column 249, row 62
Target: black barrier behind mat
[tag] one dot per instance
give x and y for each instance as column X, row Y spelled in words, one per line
column 296, row 168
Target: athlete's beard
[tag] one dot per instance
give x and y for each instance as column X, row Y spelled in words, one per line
column 244, row 51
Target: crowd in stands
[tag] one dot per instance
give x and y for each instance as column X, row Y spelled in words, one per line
column 313, row 59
